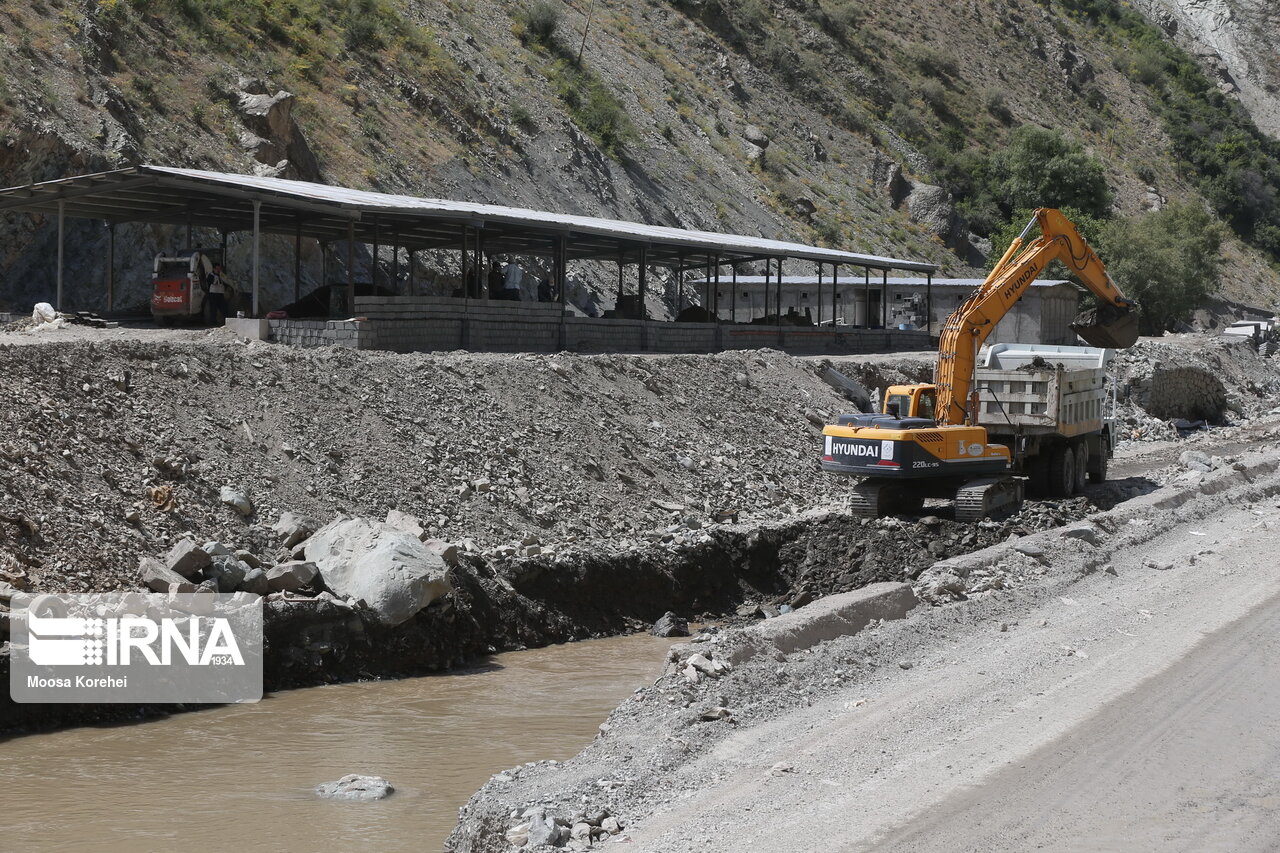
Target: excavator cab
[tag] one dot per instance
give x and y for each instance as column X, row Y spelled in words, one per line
column 911, row 401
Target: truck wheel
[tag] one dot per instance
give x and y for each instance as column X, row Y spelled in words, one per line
column 1062, row 471
column 1082, row 466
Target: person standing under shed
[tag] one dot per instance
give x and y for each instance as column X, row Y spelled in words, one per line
column 495, row 280
column 511, row 282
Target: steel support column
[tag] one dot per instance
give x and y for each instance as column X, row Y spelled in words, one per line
column 297, row 260
column 835, row 290
column 377, row 246
column 866, row 298
column 643, row 288
column 928, row 304
column 351, row 267
column 820, row 295
column 779, row 297
column 733, row 297
column 257, row 237
column 884, row 299
column 768, row 271
column 111, row 266
column 62, row 237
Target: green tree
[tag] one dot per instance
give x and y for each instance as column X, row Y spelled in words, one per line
column 1165, row 261
column 1044, row 168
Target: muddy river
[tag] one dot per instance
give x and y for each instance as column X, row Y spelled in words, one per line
column 240, row 778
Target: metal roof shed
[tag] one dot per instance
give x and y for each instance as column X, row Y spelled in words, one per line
column 229, row 203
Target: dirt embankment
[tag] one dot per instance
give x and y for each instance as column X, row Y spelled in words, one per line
column 805, row 748
column 616, row 466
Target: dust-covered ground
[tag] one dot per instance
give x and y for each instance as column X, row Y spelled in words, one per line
column 614, row 450
column 957, row 727
column 586, row 494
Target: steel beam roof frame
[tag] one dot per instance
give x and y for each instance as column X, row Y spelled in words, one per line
column 226, row 201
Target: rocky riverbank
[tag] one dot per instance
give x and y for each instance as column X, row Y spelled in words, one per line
column 548, row 499
column 328, row 628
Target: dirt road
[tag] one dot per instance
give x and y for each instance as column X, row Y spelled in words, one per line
column 1127, row 712
column 1187, row 761
column 1118, row 696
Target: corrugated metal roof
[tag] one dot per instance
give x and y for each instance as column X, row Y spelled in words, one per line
column 966, row 283
column 222, row 200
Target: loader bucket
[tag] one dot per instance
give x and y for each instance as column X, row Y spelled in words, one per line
column 1108, row 326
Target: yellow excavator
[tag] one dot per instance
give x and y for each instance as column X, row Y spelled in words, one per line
column 927, row 443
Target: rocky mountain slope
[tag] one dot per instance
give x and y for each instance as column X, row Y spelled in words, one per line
column 1236, row 40
column 836, row 122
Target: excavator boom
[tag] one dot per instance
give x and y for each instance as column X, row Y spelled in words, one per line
column 1113, row 325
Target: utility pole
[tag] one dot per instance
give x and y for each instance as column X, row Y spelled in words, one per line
column 590, row 13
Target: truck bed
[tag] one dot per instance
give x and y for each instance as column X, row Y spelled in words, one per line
column 1032, row 388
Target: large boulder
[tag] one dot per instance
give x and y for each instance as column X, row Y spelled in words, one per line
column 227, row 572
column 670, row 625
column 186, row 558
column 156, row 576
column 408, row 523
column 354, row 786
column 287, row 577
column 293, row 528
column 393, row 573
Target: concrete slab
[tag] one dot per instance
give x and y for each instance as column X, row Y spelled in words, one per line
column 833, row 616
column 249, row 329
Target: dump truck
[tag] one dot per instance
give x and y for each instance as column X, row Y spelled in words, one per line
column 1054, row 408
column 930, row 440
column 178, row 287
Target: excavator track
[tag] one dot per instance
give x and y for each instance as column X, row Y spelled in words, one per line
column 989, row 497
column 877, row 498
column 865, row 499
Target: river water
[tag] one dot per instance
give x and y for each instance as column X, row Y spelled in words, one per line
column 240, row 778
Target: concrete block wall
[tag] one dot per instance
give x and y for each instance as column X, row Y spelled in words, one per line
column 434, row 323
column 683, row 337
column 509, row 334
column 584, row 334
column 415, row 335
column 321, row 333
column 424, row 307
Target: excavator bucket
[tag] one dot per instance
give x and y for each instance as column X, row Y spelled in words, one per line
column 1107, row 326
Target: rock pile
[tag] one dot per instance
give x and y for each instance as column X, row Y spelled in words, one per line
column 540, row 826
column 356, row 787
column 115, row 449
column 370, row 565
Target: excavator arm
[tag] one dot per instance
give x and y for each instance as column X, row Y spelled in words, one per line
column 1113, row 325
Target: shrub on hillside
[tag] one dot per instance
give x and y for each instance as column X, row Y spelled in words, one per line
column 539, row 21
column 1166, row 261
column 1044, row 168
